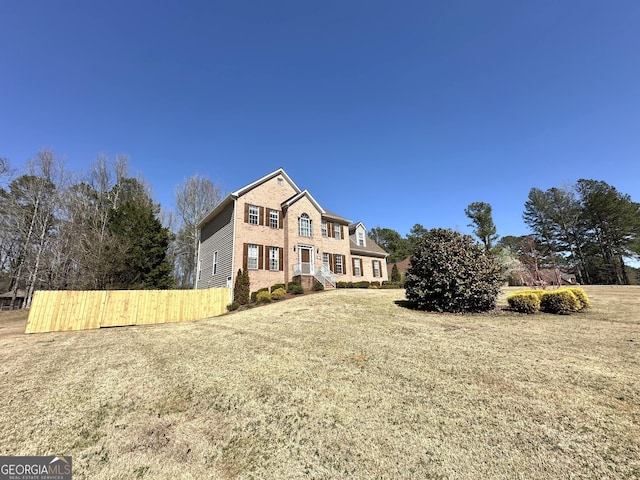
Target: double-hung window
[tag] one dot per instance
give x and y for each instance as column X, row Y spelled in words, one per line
column 323, row 226
column 215, row 262
column 274, row 218
column 274, row 258
column 339, row 268
column 357, row 270
column 325, row 260
column 304, row 225
column 337, row 231
column 252, row 257
column 254, row 215
column 361, row 239
column 376, row 268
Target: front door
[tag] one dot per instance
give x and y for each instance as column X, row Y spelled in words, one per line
column 306, row 254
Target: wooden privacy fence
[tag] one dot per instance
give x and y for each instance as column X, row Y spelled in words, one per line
column 54, row 311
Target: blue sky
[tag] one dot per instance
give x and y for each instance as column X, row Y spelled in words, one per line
column 392, row 113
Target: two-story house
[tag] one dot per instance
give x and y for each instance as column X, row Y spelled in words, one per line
column 279, row 233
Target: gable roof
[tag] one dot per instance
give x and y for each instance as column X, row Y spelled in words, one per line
column 234, row 195
column 297, row 196
column 264, row 179
column 305, row 193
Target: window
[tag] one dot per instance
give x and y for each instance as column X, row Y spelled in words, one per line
column 274, row 218
column 337, row 232
column 357, row 271
column 199, row 269
column 304, row 225
column 325, row 260
column 339, row 265
column 361, row 239
column 376, row 268
column 254, row 215
column 323, row 225
column 274, row 258
column 215, row 262
column 252, row 257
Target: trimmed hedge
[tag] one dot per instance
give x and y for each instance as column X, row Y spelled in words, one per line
column 277, row 286
column 278, row 294
column 563, row 301
column 294, row 288
column 317, row 286
column 524, row 302
column 580, row 294
column 263, row 296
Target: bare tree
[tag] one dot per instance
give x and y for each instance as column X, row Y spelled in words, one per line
column 195, row 198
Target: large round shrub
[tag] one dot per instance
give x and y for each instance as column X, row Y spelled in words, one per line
column 450, row 272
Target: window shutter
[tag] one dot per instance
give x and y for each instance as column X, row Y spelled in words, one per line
column 245, row 255
column 280, row 220
column 263, row 218
column 246, row 213
column 373, row 267
column 341, row 231
column 281, row 259
column 261, row 256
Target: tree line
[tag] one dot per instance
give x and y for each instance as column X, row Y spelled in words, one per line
column 95, row 230
column 589, row 229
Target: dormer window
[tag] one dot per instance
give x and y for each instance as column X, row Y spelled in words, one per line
column 361, row 239
column 304, row 225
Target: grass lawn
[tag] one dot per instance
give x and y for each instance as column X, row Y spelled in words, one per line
column 340, row 384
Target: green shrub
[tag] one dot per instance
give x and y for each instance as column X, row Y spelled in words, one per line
column 242, row 287
column 342, row 284
column 562, row 302
column 392, row 285
column 317, row 286
column 395, row 274
column 524, row 302
column 263, row 296
column 233, row 306
column 295, row 288
column 450, row 272
column 254, row 295
column 278, row 294
column 580, row 294
column 361, row 284
column 375, row 284
column 277, row 286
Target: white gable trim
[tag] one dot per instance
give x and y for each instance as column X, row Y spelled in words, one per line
column 260, row 181
column 304, row 193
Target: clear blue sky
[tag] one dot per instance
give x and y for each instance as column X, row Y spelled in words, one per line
column 392, row 113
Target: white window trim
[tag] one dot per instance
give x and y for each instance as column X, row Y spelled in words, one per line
column 215, row 263
column 255, row 215
column 305, row 226
column 274, row 218
column 250, row 248
column 357, row 267
column 274, row 256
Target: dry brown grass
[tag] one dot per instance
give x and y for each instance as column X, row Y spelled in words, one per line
column 342, row 384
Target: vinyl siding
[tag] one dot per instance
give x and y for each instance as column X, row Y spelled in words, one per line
column 217, row 235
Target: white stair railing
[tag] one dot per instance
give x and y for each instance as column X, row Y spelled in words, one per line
column 323, row 274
